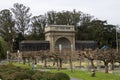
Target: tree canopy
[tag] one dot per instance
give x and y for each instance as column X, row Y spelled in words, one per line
column 32, row 27
column 22, row 17
column 7, row 26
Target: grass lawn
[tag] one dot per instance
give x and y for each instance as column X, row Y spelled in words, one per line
column 25, row 65
column 86, row 75
column 22, row 65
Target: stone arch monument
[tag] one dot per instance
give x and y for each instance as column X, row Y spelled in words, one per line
column 60, row 35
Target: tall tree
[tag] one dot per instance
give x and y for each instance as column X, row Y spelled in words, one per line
column 51, row 17
column 38, row 24
column 102, row 32
column 83, row 30
column 22, row 17
column 7, row 27
column 64, row 17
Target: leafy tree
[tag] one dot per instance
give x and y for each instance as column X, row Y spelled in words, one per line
column 83, row 30
column 22, row 17
column 19, row 37
column 102, row 32
column 3, row 48
column 97, row 30
column 38, row 26
column 63, row 17
column 51, row 17
column 7, row 27
column 109, row 35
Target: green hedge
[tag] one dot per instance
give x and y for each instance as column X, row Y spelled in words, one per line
column 61, row 76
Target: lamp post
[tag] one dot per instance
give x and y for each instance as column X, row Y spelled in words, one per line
column 60, row 49
column 70, row 58
column 18, row 52
column 13, row 40
column 7, row 55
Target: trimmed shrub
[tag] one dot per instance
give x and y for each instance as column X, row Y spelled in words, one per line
column 55, row 76
column 30, row 72
column 21, row 76
column 61, row 76
column 48, row 76
column 37, row 76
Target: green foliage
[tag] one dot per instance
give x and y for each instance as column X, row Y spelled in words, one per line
column 38, row 76
column 22, row 17
column 21, row 76
column 19, row 37
column 10, row 72
column 3, row 48
column 38, row 26
column 97, row 30
column 7, row 27
column 61, row 76
column 48, row 76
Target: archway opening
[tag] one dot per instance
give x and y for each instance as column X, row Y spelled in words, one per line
column 64, row 43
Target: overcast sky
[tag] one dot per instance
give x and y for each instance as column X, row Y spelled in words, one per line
column 102, row 9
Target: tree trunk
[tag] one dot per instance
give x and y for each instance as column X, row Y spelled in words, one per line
column 60, row 63
column 92, row 64
column 45, row 63
column 93, row 68
column 119, row 64
column 24, row 61
column 10, row 45
column 80, row 63
column 106, row 67
column 42, row 59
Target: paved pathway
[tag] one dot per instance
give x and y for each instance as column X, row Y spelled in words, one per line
column 74, row 78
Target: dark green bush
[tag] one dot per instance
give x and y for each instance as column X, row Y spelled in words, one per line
column 7, row 76
column 55, row 76
column 48, row 76
column 1, row 76
column 37, row 76
column 61, row 76
column 30, row 72
column 21, row 76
